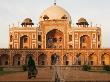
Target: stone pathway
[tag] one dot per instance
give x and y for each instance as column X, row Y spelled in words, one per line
column 68, row 75
column 43, row 75
column 88, row 76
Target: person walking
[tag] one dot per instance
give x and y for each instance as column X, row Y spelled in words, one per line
column 32, row 71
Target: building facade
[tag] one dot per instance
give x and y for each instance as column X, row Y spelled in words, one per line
column 55, row 36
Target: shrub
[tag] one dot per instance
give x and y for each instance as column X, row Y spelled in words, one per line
column 24, row 67
column 1, row 68
column 86, row 68
column 106, row 67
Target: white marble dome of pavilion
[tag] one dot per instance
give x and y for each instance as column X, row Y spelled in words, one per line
column 55, row 12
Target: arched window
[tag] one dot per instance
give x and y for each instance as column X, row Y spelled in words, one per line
column 11, row 38
column 85, row 42
column 25, row 39
column 39, row 46
column 39, row 38
column 98, row 37
column 70, row 38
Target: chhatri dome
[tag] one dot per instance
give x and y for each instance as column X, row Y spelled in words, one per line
column 82, row 21
column 27, row 21
column 55, row 12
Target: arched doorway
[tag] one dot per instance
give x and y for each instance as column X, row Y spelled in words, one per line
column 105, row 58
column 27, row 58
column 24, row 41
column 80, row 60
column 42, row 59
column 54, row 59
column 16, row 60
column 85, row 42
column 93, row 59
column 4, row 60
column 54, row 39
column 65, row 60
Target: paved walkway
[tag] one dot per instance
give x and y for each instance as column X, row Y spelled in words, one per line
column 67, row 75
column 43, row 75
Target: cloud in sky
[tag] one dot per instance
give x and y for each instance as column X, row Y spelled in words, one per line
column 14, row 11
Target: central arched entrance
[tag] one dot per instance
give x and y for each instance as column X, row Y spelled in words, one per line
column 54, row 39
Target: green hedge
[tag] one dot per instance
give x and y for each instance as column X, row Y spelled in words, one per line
column 24, row 67
column 1, row 68
column 86, row 68
column 106, row 67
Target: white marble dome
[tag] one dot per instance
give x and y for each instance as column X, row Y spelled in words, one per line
column 55, row 12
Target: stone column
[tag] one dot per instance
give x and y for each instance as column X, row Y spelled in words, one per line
column 48, row 58
column 99, row 58
column 23, row 57
column 36, row 58
column 61, row 59
column 10, row 61
column 87, row 58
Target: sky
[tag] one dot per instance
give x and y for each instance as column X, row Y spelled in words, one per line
column 14, row 11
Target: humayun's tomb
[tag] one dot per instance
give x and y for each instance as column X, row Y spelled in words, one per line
column 54, row 34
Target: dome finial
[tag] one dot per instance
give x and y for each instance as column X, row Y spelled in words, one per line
column 54, row 2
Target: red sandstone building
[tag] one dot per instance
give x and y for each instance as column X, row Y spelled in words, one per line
column 55, row 35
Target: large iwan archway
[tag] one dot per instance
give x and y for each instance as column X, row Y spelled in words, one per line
column 54, row 39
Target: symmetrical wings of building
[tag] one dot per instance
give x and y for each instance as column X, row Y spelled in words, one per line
column 55, row 36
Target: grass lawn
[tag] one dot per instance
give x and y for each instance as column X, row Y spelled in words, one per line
column 105, row 72
column 6, row 72
column 108, row 72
